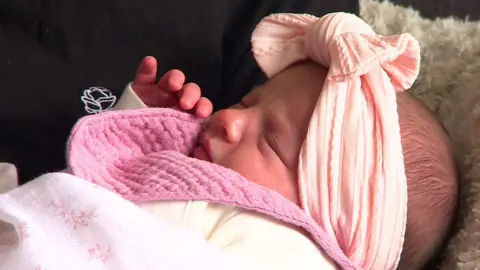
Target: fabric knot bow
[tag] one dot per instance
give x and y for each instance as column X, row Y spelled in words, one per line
column 351, row 171
column 339, row 41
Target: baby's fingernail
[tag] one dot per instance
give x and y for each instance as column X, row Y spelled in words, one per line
column 176, row 84
column 186, row 104
column 202, row 112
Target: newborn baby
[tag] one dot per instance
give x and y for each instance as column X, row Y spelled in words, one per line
column 324, row 133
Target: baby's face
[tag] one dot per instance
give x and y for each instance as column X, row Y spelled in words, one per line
column 261, row 137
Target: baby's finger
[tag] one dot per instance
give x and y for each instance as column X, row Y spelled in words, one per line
column 173, row 80
column 189, row 96
column 160, row 98
column 204, row 107
column 146, row 71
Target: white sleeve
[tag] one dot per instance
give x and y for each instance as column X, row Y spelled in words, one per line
column 129, row 100
column 8, row 177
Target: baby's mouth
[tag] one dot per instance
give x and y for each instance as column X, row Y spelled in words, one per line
column 202, row 151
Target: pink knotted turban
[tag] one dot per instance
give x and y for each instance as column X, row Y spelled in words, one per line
column 351, row 171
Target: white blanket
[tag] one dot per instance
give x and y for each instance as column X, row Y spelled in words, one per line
column 59, row 221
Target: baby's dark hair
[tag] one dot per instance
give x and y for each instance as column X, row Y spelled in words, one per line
column 432, row 182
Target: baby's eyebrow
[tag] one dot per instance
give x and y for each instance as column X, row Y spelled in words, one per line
column 252, row 96
column 255, row 90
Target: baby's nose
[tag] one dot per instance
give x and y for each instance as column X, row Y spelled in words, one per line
column 231, row 124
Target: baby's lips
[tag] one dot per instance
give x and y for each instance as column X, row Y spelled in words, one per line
column 201, row 153
column 204, row 142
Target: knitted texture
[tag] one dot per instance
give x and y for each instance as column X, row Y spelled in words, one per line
column 142, row 156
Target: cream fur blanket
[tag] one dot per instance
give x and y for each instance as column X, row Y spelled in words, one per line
column 449, row 83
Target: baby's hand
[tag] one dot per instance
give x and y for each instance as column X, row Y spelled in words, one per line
column 170, row 91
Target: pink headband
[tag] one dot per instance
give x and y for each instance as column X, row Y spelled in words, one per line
column 351, row 171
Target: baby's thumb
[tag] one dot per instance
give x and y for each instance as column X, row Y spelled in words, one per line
column 146, row 71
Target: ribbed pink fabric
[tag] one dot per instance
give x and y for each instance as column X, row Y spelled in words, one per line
column 351, row 171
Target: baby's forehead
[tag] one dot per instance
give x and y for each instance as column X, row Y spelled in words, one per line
column 253, row 94
column 300, row 83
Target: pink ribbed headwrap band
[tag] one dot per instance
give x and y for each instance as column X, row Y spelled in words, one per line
column 351, row 171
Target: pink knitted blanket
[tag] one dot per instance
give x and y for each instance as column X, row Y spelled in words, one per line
column 143, row 155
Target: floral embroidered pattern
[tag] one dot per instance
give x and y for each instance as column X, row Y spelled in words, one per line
column 23, row 231
column 98, row 99
column 76, row 219
column 97, row 253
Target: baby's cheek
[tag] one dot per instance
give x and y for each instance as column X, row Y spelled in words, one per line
column 266, row 172
column 280, row 181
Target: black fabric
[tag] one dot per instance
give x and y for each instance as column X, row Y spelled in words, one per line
column 51, row 50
